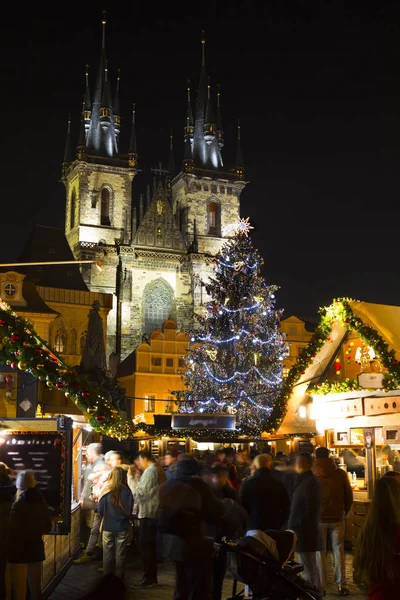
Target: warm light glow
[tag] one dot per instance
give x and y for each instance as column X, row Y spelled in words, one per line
column 302, row 412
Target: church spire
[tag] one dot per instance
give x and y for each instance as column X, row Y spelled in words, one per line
column 116, row 107
column 220, row 132
column 132, row 151
column 87, row 113
column 199, row 145
column 239, row 156
column 209, row 124
column 189, row 126
column 171, row 162
column 67, row 151
column 81, row 149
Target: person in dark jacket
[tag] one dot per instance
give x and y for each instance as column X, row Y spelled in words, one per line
column 7, row 494
column 304, row 520
column 231, row 526
column 188, row 507
column 337, row 498
column 30, row 519
column 263, row 497
column 115, row 510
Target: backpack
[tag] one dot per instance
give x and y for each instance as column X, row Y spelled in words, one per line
column 180, row 510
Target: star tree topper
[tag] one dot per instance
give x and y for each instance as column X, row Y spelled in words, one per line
column 242, row 226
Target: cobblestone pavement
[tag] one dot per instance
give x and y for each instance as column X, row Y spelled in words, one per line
column 80, row 580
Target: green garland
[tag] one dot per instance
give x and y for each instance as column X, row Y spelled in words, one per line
column 339, row 310
column 21, row 348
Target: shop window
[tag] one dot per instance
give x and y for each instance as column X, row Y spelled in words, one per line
column 149, row 404
column 60, row 341
column 72, row 209
column 105, row 217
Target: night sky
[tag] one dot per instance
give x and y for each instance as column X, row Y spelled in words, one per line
column 318, row 94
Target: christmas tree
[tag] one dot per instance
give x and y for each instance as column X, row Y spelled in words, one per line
column 234, row 364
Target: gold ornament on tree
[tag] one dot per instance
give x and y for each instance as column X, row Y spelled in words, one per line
column 212, row 354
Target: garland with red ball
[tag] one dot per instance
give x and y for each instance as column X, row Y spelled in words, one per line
column 21, row 348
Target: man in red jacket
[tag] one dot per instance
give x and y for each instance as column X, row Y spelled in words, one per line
column 337, row 498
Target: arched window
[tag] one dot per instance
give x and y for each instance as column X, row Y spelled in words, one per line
column 158, row 302
column 73, row 209
column 82, row 341
column 214, row 218
column 72, row 341
column 60, row 341
column 105, row 216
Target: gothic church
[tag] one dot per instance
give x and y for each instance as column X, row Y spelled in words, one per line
column 156, row 257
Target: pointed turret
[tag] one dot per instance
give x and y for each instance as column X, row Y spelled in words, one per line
column 67, row 151
column 81, row 149
column 171, row 162
column 116, row 107
column 88, row 106
column 209, row 122
column 132, row 151
column 105, row 110
column 188, row 155
column 189, row 124
column 220, row 132
column 239, row 157
column 199, row 145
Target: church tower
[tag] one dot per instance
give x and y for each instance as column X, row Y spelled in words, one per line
column 97, row 177
column 157, row 255
column 206, row 193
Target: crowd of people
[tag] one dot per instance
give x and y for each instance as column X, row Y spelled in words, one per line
column 183, row 503
column 176, row 507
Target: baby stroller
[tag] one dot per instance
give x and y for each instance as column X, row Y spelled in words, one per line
column 260, row 561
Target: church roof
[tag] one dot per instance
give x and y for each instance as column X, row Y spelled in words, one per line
column 49, row 244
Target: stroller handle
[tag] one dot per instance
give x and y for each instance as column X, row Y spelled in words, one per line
column 231, row 546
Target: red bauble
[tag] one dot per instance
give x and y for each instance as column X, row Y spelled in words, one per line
column 14, row 337
column 338, row 366
column 2, row 323
column 17, row 353
column 85, row 394
column 59, row 384
column 395, row 361
column 14, row 365
column 38, row 351
column 100, row 418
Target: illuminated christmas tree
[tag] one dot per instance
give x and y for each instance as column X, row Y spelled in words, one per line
column 234, row 364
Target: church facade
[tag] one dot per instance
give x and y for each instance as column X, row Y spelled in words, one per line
column 155, row 257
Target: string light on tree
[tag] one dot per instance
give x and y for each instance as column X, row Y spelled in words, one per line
column 236, row 354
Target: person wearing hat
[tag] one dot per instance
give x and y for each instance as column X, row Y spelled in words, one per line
column 336, row 501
